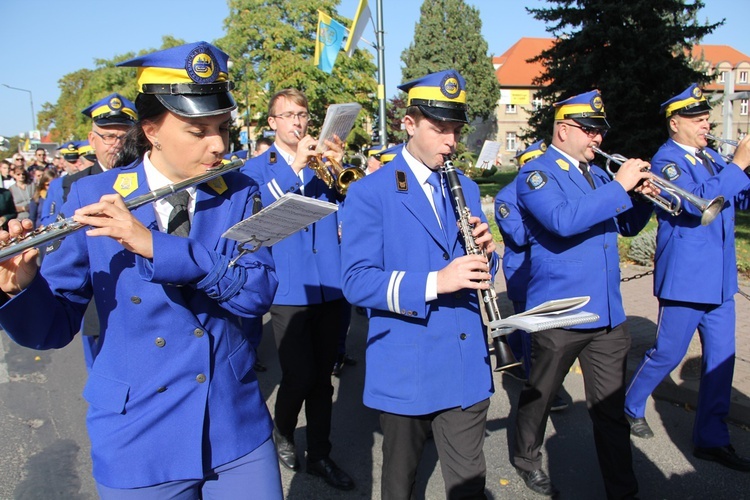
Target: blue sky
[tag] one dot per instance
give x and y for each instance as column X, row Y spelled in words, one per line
column 46, row 39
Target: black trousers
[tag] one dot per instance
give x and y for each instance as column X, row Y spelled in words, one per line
column 307, row 339
column 603, row 356
column 459, row 439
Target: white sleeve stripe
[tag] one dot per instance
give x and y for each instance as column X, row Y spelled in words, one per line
column 396, row 290
column 393, row 284
column 273, row 187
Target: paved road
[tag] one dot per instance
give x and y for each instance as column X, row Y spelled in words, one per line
column 44, row 451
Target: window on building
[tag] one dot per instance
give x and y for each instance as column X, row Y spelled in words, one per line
column 742, row 77
column 510, row 109
column 511, row 143
column 536, row 103
column 743, row 107
column 722, row 77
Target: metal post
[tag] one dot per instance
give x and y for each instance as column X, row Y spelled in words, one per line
column 31, row 98
column 381, row 76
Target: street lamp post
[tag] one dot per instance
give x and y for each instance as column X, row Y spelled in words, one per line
column 31, row 99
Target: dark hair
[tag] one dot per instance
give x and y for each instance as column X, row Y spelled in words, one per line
column 263, row 140
column 47, row 175
column 135, row 144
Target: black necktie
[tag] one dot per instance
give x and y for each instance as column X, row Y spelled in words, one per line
column 179, row 218
column 703, row 157
column 587, row 174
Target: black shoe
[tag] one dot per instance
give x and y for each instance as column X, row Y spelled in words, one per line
column 517, row 372
column 558, row 404
column 259, row 367
column 285, row 450
column 330, row 472
column 639, row 427
column 538, row 481
column 725, row 455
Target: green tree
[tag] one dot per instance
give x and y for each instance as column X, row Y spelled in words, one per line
column 272, row 47
column 78, row 90
column 448, row 36
column 636, row 52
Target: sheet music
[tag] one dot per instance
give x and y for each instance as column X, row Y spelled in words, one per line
column 488, row 155
column 339, row 121
column 284, row 217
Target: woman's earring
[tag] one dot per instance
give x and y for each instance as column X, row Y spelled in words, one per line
column 157, row 145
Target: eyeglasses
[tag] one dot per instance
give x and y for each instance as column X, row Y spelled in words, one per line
column 302, row 115
column 110, row 139
column 590, row 131
column 17, row 159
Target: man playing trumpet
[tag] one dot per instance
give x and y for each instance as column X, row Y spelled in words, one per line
column 695, row 278
column 308, row 305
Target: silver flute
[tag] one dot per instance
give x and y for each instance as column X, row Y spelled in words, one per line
column 63, row 227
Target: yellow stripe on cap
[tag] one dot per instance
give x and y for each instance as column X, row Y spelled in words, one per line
column 576, row 109
column 434, row 94
column 102, row 110
column 678, row 105
column 529, row 156
column 167, row 76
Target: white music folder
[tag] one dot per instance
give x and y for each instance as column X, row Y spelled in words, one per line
column 287, row 215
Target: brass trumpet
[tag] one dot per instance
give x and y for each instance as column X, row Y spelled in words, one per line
column 672, row 203
column 332, row 173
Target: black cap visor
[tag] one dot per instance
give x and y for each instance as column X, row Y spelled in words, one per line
column 597, row 121
column 115, row 119
column 195, row 105
column 696, row 108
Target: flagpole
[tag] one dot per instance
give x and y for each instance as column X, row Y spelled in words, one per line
column 381, row 75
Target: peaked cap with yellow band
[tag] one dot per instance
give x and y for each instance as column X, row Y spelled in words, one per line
column 585, row 109
column 189, row 80
column 440, row 96
column 389, row 154
column 112, row 110
column 689, row 102
column 69, row 151
column 374, row 150
column 536, row 149
column 85, row 150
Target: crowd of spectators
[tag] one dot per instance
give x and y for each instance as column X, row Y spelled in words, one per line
column 24, row 185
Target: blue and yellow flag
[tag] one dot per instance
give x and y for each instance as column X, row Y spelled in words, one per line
column 328, row 42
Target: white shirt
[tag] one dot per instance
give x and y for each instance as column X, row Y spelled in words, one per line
column 162, row 208
column 422, row 173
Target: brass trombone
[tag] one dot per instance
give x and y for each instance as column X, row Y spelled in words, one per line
column 672, row 204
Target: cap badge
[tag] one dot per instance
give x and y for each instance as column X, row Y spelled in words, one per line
column 450, row 86
column 201, row 65
column 596, row 103
column 697, row 93
column 543, row 147
column 115, row 103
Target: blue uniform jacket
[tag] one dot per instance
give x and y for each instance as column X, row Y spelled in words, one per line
column 53, row 202
column 516, row 257
column 695, row 263
column 308, row 263
column 421, row 356
column 573, row 234
column 172, row 391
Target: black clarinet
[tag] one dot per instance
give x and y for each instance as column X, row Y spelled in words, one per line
column 503, row 353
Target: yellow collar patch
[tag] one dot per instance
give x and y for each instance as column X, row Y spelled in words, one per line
column 126, row 183
column 218, row 185
column 564, row 165
column 691, row 158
